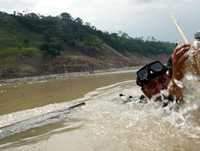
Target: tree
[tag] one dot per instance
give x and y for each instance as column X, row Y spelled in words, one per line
column 79, row 21
column 51, row 49
column 66, row 17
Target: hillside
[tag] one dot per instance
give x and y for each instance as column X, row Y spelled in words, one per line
column 32, row 44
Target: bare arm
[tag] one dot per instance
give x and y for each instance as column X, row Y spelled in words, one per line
column 179, row 56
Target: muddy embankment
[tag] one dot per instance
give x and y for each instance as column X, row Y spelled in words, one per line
column 18, row 66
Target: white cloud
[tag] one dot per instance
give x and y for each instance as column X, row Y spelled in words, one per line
column 16, row 5
column 136, row 17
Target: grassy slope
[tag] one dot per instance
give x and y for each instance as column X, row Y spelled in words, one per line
column 20, row 54
column 13, row 54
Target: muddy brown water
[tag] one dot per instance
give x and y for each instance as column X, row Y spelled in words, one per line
column 105, row 122
column 17, row 97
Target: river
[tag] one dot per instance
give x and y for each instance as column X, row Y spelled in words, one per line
column 34, row 117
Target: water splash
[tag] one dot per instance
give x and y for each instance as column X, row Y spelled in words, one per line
column 112, row 125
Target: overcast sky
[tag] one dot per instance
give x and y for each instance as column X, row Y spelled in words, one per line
column 136, row 17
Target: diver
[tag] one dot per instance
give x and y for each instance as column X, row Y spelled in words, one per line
column 155, row 77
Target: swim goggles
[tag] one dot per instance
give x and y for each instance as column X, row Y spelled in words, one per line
column 149, row 72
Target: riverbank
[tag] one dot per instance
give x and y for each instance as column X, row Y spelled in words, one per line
column 43, row 78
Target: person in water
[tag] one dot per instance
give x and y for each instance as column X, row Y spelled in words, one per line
column 155, row 77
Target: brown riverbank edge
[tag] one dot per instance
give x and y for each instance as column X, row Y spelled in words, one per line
column 67, row 75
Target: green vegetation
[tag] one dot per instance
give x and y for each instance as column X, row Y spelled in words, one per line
column 45, row 39
column 4, row 52
column 51, row 35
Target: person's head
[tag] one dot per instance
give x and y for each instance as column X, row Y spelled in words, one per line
column 152, row 78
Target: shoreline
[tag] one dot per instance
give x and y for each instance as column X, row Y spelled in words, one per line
column 31, row 79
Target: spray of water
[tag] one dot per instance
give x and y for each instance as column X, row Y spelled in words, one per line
column 110, row 124
column 180, row 30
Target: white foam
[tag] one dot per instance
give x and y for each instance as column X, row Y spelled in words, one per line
column 107, row 116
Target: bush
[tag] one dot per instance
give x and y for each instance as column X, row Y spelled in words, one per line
column 51, row 49
column 4, row 52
